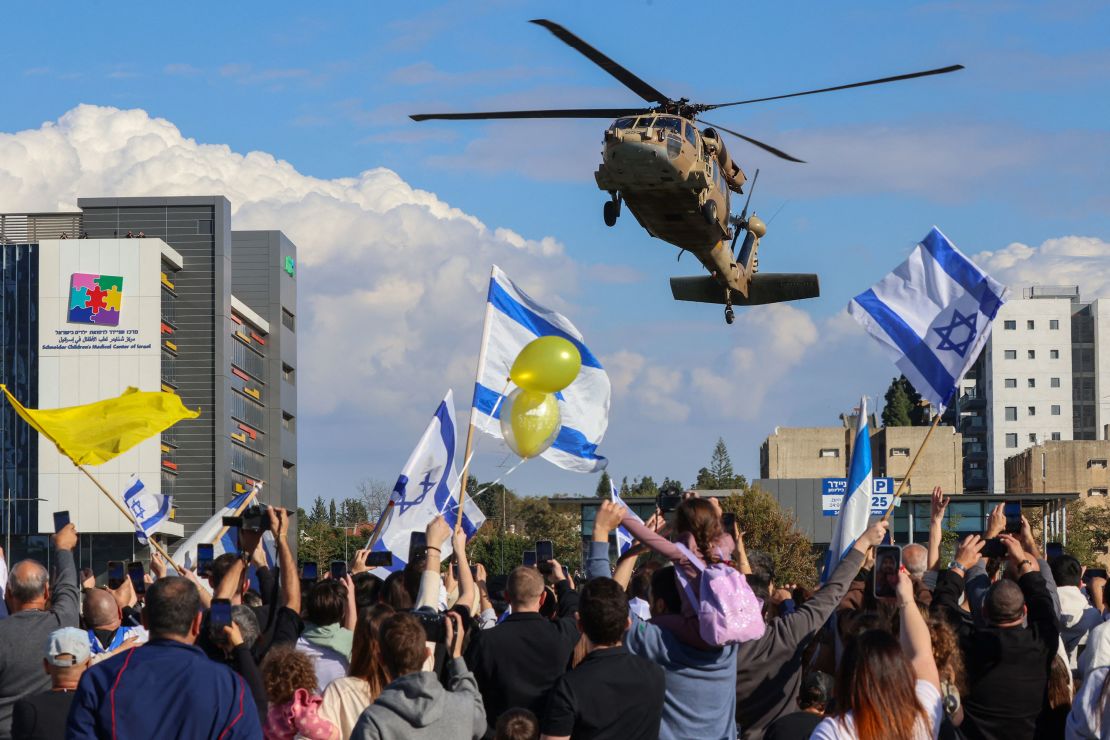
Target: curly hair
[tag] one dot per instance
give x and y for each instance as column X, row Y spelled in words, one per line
column 698, row 517
column 284, row 670
column 947, row 653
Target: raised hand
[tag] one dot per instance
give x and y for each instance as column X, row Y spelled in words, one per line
column 969, row 551
column 996, row 522
column 358, row 565
column 938, row 505
column 872, row 536
column 609, row 517
column 437, row 532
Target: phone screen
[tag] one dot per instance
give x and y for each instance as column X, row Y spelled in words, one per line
column 137, row 573
column 994, row 548
column 61, row 518
column 1095, row 573
column 728, row 521
column 338, row 569
column 309, row 572
column 529, row 557
column 418, row 545
column 219, row 616
column 545, row 550
column 1054, row 550
column 116, row 573
column 888, row 560
column 379, row 559
column 1012, row 510
column 205, row 553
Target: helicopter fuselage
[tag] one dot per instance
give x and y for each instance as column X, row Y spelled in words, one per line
column 667, row 172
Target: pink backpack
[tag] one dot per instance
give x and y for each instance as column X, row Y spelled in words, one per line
column 728, row 611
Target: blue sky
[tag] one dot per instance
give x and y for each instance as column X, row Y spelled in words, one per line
column 1011, row 150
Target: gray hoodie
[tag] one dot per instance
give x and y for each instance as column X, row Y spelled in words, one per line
column 417, row 706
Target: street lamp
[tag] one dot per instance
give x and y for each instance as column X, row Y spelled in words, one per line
column 8, row 521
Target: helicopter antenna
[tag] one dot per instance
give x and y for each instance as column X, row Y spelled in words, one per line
column 777, row 212
column 744, row 213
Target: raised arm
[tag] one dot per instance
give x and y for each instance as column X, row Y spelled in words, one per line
column 64, row 594
column 436, row 533
column 915, row 633
column 936, row 525
column 466, row 578
column 290, row 578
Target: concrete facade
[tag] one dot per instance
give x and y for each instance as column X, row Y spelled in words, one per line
column 1079, row 466
column 806, row 452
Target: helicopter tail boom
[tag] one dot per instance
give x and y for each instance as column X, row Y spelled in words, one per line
column 765, row 288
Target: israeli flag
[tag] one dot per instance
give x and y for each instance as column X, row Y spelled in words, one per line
column 228, row 541
column 512, row 321
column 149, row 509
column 624, row 537
column 428, row 486
column 933, row 315
column 856, row 506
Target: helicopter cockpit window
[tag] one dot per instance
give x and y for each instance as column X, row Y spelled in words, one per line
column 691, row 135
column 623, row 123
column 669, row 124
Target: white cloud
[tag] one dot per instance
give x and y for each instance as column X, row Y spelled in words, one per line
column 392, row 284
column 1066, row 260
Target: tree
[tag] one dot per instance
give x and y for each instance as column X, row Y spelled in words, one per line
column 644, row 487
column 671, row 484
column 720, row 476
column 319, row 513
column 896, row 410
column 625, row 489
column 604, row 485
column 333, row 520
column 1088, row 530
column 768, row 528
column 353, row 511
column 374, row 495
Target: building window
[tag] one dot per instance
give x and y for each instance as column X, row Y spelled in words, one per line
column 288, row 374
column 1009, row 325
column 1011, row 382
column 899, row 451
column 1032, row 382
column 1033, row 438
column 205, row 226
column 1010, row 354
column 1055, row 436
column 1030, row 325
column 288, row 422
column 1053, row 324
column 1054, row 382
column 830, row 452
column 288, row 469
column 1011, row 441
column 1055, row 410
column 1097, row 463
column 288, row 320
column 1053, row 354
column 1032, row 410
column 1097, row 492
column 1011, row 413
column 1031, row 354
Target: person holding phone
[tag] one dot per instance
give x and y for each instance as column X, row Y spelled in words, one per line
column 38, row 606
column 107, row 634
column 1077, row 616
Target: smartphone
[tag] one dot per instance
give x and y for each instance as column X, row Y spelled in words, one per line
column 994, row 548
column 219, row 616
column 668, row 502
column 61, row 519
column 309, row 572
column 545, row 551
column 418, row 546
column 1012, row 511
column 435, row 625
column 1053, row 550
column 116, row 573
column 888, row 561
column 728, row 521
column 338, row 569
column 137, row 574
column 379, row 559
column 1094, row 573
column 205, row 555
column 529, row 558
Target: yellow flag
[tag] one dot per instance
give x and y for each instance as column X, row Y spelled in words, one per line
column 97, row 432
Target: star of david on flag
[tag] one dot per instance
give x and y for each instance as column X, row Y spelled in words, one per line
column 149, row 509
column 932, row 315
column 624, row 537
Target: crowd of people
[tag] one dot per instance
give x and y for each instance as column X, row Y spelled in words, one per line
column 687, row 635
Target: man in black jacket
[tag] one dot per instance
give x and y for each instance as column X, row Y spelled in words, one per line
column 517, row 662
column 1008, row 660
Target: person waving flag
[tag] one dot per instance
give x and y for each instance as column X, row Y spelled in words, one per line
column 855, row 508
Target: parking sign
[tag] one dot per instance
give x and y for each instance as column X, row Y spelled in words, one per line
column 833, row 491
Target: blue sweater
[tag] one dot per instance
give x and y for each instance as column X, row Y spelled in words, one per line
column 700, row 697
column 164, row 689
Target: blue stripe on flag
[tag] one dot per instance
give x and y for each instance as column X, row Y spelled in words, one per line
column 912, row 346
column 963, row 271
column 535, row 323
column 570, row 441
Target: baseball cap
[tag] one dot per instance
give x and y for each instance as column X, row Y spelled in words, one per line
column 67, row 641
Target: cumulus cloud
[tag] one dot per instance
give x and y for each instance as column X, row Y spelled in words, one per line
column 1066, row 260
column 392, row 280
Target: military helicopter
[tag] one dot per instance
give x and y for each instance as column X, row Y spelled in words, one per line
column 677, row 178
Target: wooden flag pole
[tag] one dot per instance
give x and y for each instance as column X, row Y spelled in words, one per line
column 909, row 471
column 131, row 518
column 238, row 512
column 470, row 424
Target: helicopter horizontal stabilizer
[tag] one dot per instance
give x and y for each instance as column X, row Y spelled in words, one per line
column 765, row 288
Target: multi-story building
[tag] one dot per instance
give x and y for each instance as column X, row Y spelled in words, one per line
column 149, row 293
column 1078, row 466
column 1045, row 374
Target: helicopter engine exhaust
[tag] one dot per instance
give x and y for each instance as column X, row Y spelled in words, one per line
column 734, row 176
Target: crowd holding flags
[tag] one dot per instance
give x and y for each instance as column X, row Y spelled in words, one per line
column 223, row 538
column 855, row 508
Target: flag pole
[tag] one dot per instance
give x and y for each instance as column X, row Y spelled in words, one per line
column 130, row 517
column 463, row 477
column 909, row 471
column 238, row 512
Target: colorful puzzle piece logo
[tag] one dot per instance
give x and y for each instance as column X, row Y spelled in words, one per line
column 95, row 299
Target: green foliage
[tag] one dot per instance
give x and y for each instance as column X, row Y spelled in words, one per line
column 903, row 407
column 949, row 537
column 320, row 543
column 720, row 476
column 353, row 511
column 525, row 520
column 604, row 486
column 319, row 513
column 1088, row 530
column 333, row 520
column 768, row 528
column 643, row 487
column 499, row 554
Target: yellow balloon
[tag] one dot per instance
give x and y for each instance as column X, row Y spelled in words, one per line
column 546, row 365
column 530, row 421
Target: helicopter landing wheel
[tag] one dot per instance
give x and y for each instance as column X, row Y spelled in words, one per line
column 611, row 211
column 709, row 212
column 729, row 315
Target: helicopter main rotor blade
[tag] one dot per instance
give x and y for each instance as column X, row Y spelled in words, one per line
column 896, row 78
column 565, row 113
column 626, row 78
column 766, row 147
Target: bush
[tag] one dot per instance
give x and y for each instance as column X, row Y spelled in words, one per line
column 768, row 528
